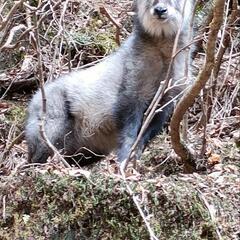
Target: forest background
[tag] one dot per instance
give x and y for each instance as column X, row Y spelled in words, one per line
column 190, row 193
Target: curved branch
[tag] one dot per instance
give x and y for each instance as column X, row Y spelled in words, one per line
column 194, row 91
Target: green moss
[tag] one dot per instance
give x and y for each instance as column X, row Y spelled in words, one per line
column 16, row 114
column 52, row 207
column 103, row 43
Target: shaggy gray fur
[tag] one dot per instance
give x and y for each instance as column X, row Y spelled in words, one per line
column 101, row 108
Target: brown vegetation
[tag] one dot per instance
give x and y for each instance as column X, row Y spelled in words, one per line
column 40, row 41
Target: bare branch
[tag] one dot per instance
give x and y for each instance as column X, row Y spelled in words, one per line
column 136, row 202
column 44, row 100
column 10, row 14
column 190, row 96
column 103, row 10
column 149, row 114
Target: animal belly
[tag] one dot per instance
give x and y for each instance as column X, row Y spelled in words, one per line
column 98, row 136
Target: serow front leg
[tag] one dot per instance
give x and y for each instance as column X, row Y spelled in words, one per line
column 130, row 126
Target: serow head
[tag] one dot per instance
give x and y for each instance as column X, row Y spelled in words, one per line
column 163, row 17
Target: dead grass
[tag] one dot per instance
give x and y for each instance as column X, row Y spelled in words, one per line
column 51, row 202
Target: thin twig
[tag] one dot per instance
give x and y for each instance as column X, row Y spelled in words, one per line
column 44, row 99
column 149, row 114
column 135, row 200
column 118, row 26
column 10, row 14
column 211, row 212
column 189, row 97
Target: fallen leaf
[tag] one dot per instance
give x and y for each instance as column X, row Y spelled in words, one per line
column 214, row 159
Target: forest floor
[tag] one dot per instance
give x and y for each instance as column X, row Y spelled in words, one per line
column 51, row 201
